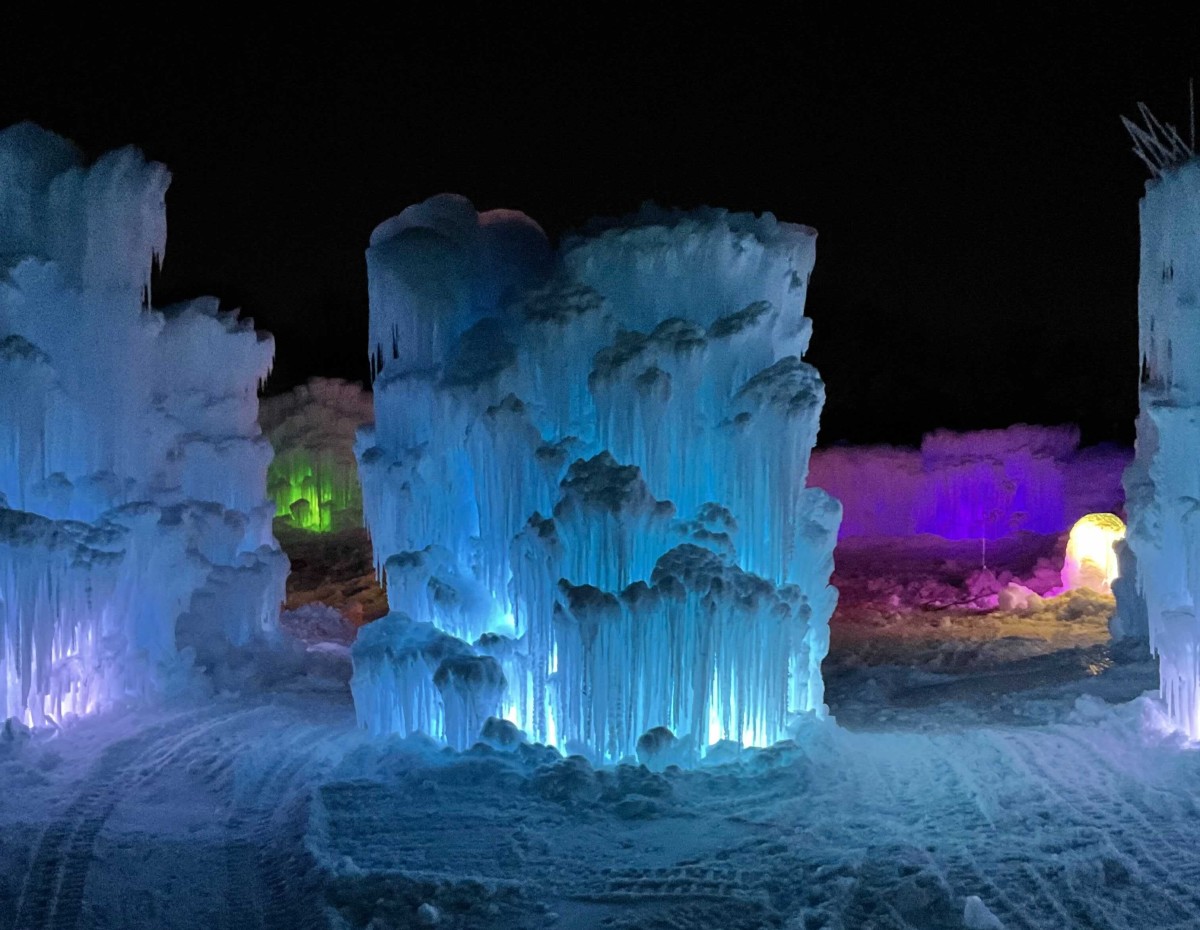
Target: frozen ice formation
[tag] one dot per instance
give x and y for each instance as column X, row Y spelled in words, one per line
column 588, row 468
column 1163, row 483
column 313, row 478
column 984, row 483
column 412, row 678
column 131, row 463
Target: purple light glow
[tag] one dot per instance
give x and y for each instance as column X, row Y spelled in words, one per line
column 987, row 484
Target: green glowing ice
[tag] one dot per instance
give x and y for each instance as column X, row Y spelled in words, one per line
column 316, row 492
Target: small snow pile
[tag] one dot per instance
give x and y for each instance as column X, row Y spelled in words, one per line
column 315, row 623
column 501, row 735
column 976, row 916
column 590, row 468
column 313, row 478
column 1015, row 596
column 132, row 466
column 14, row 731
column 658, row 748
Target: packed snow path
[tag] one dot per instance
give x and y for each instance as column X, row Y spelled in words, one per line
column 192, row 818
column 1059, row 826
column 271, row 812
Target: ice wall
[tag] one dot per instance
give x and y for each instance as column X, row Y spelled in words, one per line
column 313, row 478
column 1163, row 483
column 585, row 465
column 989, row 483
column 131, row 462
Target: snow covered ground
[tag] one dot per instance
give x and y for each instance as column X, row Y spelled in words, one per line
column 1009, row 757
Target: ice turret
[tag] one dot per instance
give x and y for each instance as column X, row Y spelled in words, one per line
column 1163, row 483
column 591, row 468
column 130, row 453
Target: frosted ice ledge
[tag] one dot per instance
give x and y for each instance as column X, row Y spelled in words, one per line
column 136, row 532
column 589, row 467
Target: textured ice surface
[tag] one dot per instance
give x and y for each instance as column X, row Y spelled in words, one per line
column 313, row 478
column 1163, row 483
column 591, row 467
column 130, row 453
column 985, row 483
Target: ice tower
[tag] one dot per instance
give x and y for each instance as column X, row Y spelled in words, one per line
column 1163, row 483
column 587, row 475
column 132, row 473
column 313, row 478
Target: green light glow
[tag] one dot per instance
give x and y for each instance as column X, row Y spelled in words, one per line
column 311, row 490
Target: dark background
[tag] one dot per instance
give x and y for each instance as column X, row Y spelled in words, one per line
column 965, row 165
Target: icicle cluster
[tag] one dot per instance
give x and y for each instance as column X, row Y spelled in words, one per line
column 591, row 468
column 130, row 454
column 1163, row 483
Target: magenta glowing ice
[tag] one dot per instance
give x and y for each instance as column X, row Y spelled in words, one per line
column 985, row 484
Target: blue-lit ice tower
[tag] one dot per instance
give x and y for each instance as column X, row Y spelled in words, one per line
column 1163, row 483
column 586, row 480
column 135, row 534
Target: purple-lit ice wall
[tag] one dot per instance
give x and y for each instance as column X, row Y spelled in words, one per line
column 1163, row 483
column 132, row 472
column 583, row 468
column 986, row 483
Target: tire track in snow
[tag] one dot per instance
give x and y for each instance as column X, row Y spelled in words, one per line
column 964, row 872
column 1146, row 832
column 932, row 805
column 1048, row 903
column 266, row 863
column 1071, row 785
column 52, row 895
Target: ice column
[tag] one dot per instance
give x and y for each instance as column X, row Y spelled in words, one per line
column 1163, row 483
column 132, row 469
column 589, row 469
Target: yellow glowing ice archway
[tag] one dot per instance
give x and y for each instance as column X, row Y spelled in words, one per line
column 1091, row 561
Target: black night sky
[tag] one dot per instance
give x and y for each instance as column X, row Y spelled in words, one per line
column 973, row 187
